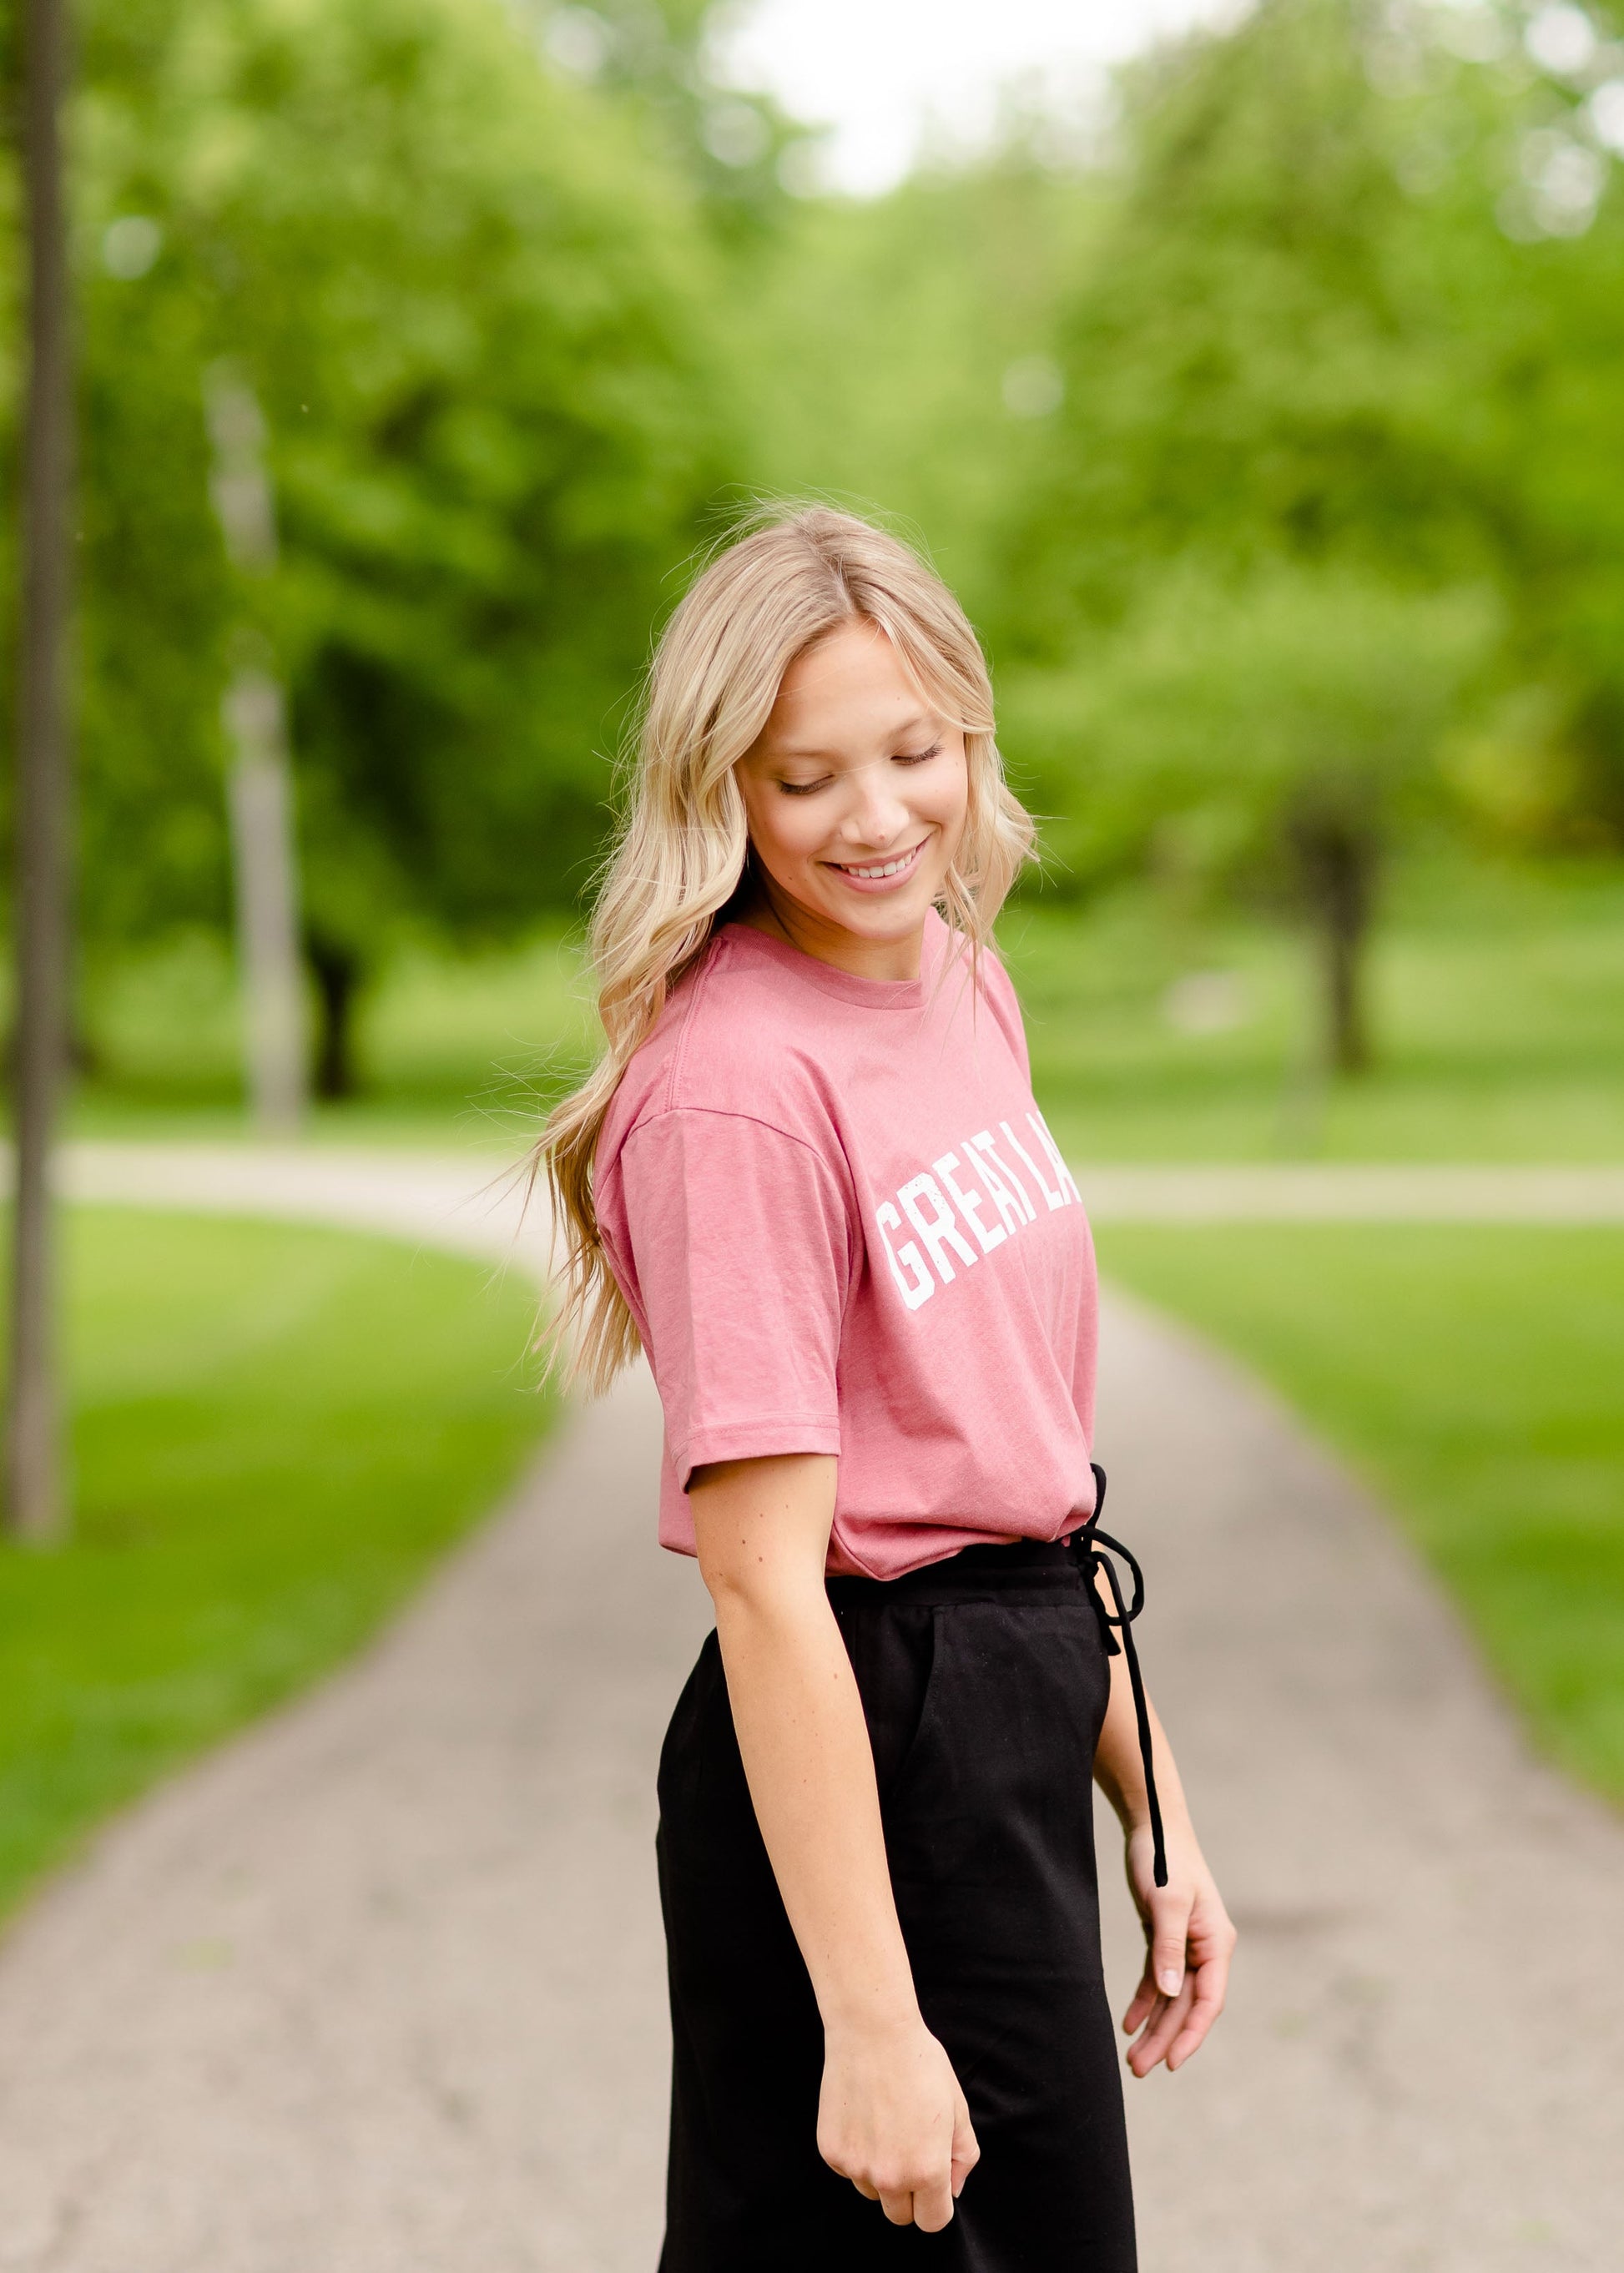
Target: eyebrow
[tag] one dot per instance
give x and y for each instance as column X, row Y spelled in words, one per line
column 908, row 726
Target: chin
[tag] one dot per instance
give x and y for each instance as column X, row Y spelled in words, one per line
column 884, row 919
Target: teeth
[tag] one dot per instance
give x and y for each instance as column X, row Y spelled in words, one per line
column 890, row 869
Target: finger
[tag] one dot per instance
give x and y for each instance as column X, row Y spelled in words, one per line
column 1143, row 2014
column 1137, row 2051
column 1164, row 2025
column 967, row 2152
column 898, row 2208
column 1157, row 2039
column 1211, row 1981
column 1144, row 1999
column 933, row 2205
column 869, row 2192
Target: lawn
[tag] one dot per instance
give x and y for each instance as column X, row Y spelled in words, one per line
column 1497, row 996
column 1472, row 1374
column 460, row 1050
column 1476, row 1377
column 275, row 1431
column 1497, row 1004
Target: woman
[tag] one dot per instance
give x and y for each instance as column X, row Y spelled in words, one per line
column 810, row 1179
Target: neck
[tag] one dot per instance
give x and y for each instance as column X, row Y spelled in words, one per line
column 772, row 911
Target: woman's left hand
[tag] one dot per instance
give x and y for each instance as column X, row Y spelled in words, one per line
column 1189, row 1943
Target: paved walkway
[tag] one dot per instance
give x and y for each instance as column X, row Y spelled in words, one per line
column 460, row 1201
column 401, row 1191
column 1327, row 1191
column 377, row 1988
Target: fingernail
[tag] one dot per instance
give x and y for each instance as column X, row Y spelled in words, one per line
column 1170, row 1981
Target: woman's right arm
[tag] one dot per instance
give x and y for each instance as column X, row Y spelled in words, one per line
column 892, row 2118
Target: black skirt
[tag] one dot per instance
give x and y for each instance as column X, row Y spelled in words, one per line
column 984, row 1681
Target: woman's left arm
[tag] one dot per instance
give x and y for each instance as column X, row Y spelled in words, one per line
column 1189, row 1939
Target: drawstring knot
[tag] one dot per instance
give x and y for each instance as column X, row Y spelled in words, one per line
column 1118, row 1621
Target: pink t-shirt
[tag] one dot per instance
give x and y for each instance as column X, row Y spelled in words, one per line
column 843, row 1227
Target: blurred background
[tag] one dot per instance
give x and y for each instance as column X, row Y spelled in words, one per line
column 1254, row 374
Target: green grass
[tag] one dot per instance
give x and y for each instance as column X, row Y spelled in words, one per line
column 1472, row 1374
column 452, row 1049
column 1497, row 997
column 1477, row 1379
column 275, row 1431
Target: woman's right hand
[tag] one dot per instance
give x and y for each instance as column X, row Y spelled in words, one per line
column 892, row 2119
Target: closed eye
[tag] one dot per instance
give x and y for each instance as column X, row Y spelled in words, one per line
column 899, row 757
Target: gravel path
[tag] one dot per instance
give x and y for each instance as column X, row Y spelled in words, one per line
column 377, row 1989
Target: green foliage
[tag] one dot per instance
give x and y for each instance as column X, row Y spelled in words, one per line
column 275, row 1431
column 1332, row 308
column 897, row 353
column 1222, row 719
column 655, row 56
column 1336, row 319
column 471, row 301
column 1289, row 722
column 1474, row 1378
column 1314, row 355
column 1249, row 364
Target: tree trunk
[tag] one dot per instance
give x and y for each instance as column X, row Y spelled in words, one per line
column 266, row 862
column 36, row 1506
column 1339, row 860
column 337, row 971
column 265, row 850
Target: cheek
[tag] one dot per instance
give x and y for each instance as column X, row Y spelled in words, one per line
column 781, row 829
column 949, row 796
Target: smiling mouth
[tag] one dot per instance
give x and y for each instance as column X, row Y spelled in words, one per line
column 874, row 870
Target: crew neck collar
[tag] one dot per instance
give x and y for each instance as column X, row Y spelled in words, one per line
column 844, row 985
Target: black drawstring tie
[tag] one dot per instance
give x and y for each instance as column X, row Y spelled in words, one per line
column 1085, row 1544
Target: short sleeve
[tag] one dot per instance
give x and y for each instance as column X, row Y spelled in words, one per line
column 740, row 1240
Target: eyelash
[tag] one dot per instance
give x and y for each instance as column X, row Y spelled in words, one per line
column 900, row 757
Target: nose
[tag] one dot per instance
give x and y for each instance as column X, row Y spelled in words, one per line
column 875, row 814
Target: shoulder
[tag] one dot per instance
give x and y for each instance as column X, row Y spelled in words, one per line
column 994, row 991
column 998, row 990
column 733, row 1043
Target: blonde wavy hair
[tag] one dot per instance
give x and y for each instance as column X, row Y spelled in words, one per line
column 679, row 853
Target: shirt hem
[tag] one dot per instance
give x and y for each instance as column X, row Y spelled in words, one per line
column 754, row 1440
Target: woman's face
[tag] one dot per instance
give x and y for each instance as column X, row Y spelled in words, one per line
column 855, row 794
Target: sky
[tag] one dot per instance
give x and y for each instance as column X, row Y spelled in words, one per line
column 880, row 71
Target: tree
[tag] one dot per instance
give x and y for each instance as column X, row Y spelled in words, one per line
column 1291, row 724
column 900, row 352
column 472, row 304
column 1247, row 372
column 36, row 1508
column 1356, row 303
column 653, row 56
